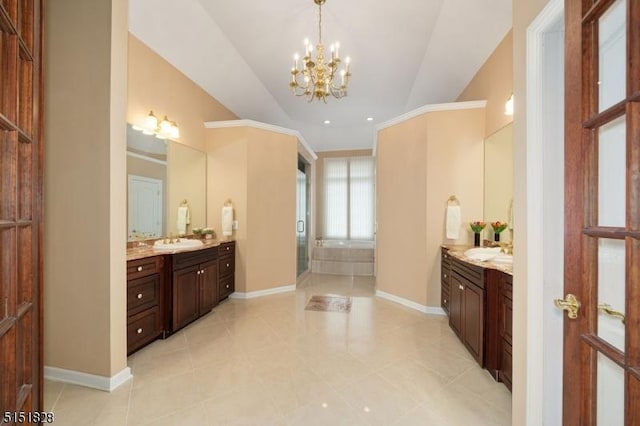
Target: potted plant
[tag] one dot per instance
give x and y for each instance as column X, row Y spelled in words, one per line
column 208, row 233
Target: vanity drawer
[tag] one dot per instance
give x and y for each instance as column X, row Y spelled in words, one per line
column 142, row 267
column 142, row 294
column 143, row 328
column 226, row 249
column 226, row 266
column 226, row 287
column 186, row 259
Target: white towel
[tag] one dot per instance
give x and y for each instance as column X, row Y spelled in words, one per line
column 454, row 220
column 183, row 219
column 227, row 221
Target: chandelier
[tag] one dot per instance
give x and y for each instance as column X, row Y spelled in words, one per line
column 317, row 78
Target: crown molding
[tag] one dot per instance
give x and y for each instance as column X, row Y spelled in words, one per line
column 451, row 106
column 261, row 126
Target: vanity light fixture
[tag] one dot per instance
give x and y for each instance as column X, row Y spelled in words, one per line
column 508, row 106
column 164, row 129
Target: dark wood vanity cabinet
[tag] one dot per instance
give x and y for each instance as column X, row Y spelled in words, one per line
column 467, row 305
column 505, row 327
column 445, row 280
column 480, row 312
column 144, row 301
column 226, row 269
column 167, row 292
column 195, row 285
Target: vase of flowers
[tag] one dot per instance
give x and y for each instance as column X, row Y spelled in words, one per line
column 197, row 232
column 498, row 227
column 477, row 228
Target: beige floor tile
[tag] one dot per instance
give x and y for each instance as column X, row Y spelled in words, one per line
column 52, row 391
column 268, row 361
column 163, row 398
column 191, row 416
column 377, row 400
column 249, row 405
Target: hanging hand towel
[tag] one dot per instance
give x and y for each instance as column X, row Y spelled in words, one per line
column 227, row 221
column 454, row 220
column 183, row 219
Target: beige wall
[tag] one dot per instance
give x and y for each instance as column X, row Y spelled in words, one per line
column 524, row 12
column 227, row 179
column 156, row 85
column 256, row 169
column 420, row 163
column 494, row 83
column 318, row 177
column 85, row 172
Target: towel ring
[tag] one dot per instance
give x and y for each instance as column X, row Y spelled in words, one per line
column 453, row 201
column 184, row 202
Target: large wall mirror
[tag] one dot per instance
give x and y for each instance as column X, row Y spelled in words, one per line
column 162, row 176
column 498, row 179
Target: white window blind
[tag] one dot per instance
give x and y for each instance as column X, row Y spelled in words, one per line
column 349, row 198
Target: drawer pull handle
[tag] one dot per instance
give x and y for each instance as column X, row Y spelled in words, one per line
column 228, row 248
column 445, row 275
column 227, row 285
column 139, row 331
column 445, row 301
column 139, row 268
column 227, row 265
column 460, row 287
column 139, row 295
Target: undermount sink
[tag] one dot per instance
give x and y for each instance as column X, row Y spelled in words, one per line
column 178, row 243
column 489, row 254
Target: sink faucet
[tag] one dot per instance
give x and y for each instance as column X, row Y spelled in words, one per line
column 506, row 248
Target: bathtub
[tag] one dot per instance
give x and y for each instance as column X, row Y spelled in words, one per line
column 344, row 258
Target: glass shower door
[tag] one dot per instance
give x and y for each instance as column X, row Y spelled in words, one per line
column 302, row 215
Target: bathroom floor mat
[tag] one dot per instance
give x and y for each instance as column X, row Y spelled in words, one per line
column 329, row 304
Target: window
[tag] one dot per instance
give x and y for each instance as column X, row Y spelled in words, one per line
column 349, row 198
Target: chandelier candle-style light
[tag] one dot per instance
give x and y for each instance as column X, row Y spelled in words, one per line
column 316, row 79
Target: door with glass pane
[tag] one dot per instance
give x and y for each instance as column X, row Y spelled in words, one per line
column 602, row 195
column 302, row 217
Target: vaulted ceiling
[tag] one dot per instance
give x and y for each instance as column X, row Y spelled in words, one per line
column 404, row 53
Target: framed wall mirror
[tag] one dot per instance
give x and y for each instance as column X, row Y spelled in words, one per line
column 162, row 176
column 498, row 179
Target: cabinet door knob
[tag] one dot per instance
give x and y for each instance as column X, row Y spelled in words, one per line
column 202, row 272
column 445, row 301
column 139, row 295
column 228, row 248
column 139, row 331
column 445, row 275
column 227, row 265
column 198, row 272
column 227, row 285
column 460, row 287
column 139, row 268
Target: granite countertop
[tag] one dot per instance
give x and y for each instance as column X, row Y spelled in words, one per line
column 135, row 252
column 457, row 251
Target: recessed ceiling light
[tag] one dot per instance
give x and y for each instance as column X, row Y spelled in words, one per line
column 369, row 118
column 327, row 121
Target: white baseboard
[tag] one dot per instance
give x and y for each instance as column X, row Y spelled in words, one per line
column 409, row 304
column 261, row 293
column 88, row 380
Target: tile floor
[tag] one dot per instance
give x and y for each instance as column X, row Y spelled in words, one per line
column 267, row 361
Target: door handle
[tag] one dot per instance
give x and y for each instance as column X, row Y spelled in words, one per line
column 300, row 224
column 607, row 309
column 569, row 304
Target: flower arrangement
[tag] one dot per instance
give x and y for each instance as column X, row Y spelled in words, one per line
column 208, row 233
column 498, row 226
column 477, row 226
column 197, row 232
